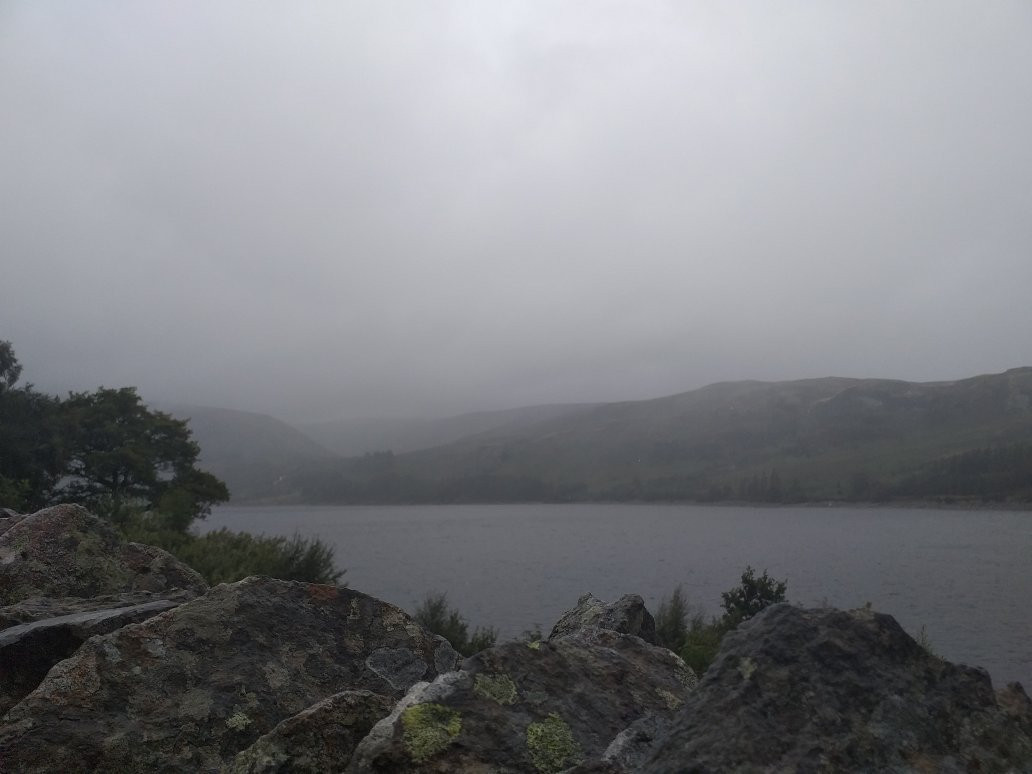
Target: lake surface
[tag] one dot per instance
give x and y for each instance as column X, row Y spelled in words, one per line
column 966, row 576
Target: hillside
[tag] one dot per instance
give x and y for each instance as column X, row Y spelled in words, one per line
column 255, row 454
column 816, row 439
column 351, row 438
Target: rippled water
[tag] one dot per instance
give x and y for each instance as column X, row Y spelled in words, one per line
column 966, row 576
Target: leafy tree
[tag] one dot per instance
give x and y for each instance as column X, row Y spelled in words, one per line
column 10, row 368
column 120, row 452
column 751, row 596
column 434, row 614
column 31, row 461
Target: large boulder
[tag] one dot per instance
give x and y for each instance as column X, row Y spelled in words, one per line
column 188, row 689
column 65, row 551
column 628, row 615
column 319, row 739
column 535, row 707
column 827, row 690
column 28, row 650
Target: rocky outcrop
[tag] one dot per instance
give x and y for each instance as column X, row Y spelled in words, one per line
column 190, row 688
column 627, row 615
column 827, row 690
column 319, row 739
column 30, row 649
column 540, row 706
column 267, row 676
column 65, row 551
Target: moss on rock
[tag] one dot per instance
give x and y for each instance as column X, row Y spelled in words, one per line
column 551, row 744
column 497, row 688
column 429, row 728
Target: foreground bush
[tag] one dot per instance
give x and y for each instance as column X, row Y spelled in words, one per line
column 684, row 630
column 435, row 615
column 223, row 556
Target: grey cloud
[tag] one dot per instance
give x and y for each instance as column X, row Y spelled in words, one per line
column 422, row 208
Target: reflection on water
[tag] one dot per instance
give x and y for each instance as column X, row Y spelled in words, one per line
column 966, row 576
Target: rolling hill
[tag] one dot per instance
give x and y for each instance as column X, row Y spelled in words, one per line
column 255, row 454
column 815, row 439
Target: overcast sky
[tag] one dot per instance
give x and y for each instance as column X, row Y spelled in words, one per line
column 350, row 209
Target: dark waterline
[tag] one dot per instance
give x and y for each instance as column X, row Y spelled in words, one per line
column 965, row 576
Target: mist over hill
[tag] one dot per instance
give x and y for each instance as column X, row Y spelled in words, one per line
column 255, row 454
column 794, row 441
column 360, row 436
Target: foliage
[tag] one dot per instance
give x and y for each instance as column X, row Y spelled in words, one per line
column 10, row 368
column 751, row 596
column 120, row 449
column 223, row 556
column 434, row 614
column 686, row 631
column 672, row 620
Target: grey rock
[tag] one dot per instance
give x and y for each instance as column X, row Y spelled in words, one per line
column 190, row 688
column 539, row 707
column 65, row 551
column 29, row 650
column 628, row 615
column 40, row 608
column 319, row 739
column 827, row 690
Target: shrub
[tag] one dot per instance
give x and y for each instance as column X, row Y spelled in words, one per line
column 751, row 596
column 686, row 631
column 223, row 556
column 434, row 614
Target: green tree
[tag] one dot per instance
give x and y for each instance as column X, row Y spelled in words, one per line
column 751, row 596
column 31, row 461
column 121, row 453
column 10, row 368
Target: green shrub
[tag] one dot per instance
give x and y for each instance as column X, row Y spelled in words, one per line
column 751, row 596
column 434, row 614
column 686, row 631
column 223, row 556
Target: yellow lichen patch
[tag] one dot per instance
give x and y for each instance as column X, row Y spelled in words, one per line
column 497, row 688
column 672, row 702
column 685, row 674
column 238, row 721
column 551, row 745
column 535, row 645
column 429, row 728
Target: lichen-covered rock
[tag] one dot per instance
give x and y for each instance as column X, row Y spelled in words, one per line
column 65, row 551
column 318, row 739
column 188, row 689
column 827, row 690
column 628, row 615
column 29, row 650
column 539, row 707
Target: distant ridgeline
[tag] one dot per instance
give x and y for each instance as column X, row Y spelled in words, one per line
column 810, row 440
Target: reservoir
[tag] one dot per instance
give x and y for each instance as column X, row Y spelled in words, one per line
column 965, row 576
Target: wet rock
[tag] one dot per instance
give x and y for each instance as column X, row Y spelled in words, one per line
column 65, row 551
column 190, row 688
column 538, row 707
column 40, row 608
column 29, row 650
column 627, row 615
column 827, row 690
column 316, row 740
